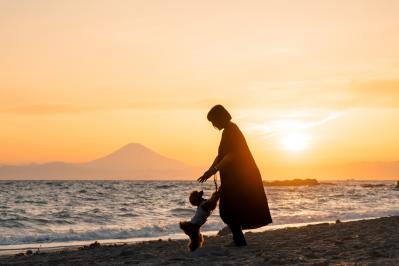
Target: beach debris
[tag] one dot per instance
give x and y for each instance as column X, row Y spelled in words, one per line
column 338, row 221
column 117, row 245
column 20, row 254
column 29, row 252
column 95, row 244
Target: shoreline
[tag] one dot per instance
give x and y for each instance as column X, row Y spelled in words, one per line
column 58, row 246
column 361, row 242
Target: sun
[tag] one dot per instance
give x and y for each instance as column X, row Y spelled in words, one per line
column 295, row 142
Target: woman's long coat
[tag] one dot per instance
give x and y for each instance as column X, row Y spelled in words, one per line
column 243, row 200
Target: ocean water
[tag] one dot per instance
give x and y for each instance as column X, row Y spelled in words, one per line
column 40, row 212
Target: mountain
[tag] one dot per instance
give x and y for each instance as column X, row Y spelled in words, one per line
column 132, row 161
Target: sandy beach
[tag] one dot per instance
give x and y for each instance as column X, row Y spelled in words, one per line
column 365, row 242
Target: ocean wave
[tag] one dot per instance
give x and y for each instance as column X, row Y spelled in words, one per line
column 101, row 233
column 127, row 215
column 373, row 185
column 11, row 223
column 39, row 211
column 183, row 211
column 39, row 202
column 165, row 186
column 98, row 234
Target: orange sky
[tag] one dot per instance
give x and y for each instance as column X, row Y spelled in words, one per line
column 79, row 79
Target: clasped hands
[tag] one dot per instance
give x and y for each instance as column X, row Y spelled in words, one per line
column 210, row 172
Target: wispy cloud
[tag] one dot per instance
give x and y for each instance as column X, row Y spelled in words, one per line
column 283, row 125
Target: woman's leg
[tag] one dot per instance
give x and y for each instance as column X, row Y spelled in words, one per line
column 238, row 235
column 228, row 216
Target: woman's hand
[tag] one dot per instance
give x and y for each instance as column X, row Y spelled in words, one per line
column 207, row 175
column 203, row 178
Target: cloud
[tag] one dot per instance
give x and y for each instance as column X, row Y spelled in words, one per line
column 295, row 122
column 296, row 106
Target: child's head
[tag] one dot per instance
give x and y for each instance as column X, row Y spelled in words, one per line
column 196, row 197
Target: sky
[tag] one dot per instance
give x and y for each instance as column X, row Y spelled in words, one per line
column 310, row 83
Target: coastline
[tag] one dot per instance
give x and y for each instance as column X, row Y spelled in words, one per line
column 59, row 246
column 362, row 242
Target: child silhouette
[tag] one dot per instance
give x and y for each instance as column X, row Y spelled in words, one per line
column 204, row 209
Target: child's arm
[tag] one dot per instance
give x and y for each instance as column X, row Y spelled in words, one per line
column 211, row 203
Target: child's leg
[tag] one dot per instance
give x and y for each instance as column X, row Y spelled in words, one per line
column 193, row 232
column 196, row 238
column 184, row 225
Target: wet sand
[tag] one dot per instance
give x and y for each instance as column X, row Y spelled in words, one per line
column 365, row 242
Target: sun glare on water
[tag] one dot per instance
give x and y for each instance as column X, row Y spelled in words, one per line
column 295, row 142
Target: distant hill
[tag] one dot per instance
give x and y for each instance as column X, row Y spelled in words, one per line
column 132, row 161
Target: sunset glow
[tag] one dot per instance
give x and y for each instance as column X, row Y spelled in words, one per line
column 314, row 85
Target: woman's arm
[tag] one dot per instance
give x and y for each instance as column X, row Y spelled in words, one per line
column 226, row 160
column 215, row 162
column 205, row 176
column 216, row 166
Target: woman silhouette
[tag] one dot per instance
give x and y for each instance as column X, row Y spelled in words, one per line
column 243, row 203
